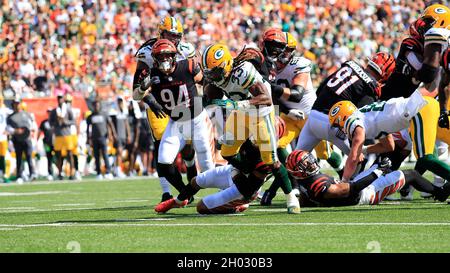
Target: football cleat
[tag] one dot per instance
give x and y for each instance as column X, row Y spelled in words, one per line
column 293, row 205
column 241, row 208
column 165, row 206
column 443, row 193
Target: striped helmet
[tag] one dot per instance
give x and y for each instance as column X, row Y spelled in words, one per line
column 302, row 164
column 383, row 63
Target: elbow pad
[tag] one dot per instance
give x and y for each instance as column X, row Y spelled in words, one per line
column 277, row 90
column 427, row 73
column 297, row 92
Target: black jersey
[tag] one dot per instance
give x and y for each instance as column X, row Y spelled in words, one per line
column 351, row 83
column 402, row 82
column 177, row 92
column 318, row 184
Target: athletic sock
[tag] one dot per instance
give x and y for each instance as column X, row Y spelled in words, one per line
column 433, row 164
column 191, row 169
column 173, row 176
column 165, row 185
column 282, row 175
column 2, row 164
column 276, row 184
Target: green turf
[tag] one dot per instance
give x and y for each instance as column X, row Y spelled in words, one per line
column 118, row 216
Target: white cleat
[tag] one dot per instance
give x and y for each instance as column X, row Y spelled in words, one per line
column 99, row 177
column 293, row 205
column 50, row 177
column 109, row 176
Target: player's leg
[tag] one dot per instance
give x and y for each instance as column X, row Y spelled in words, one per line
column 423, row 132
column 220, row 202
column 416, row 180
column 263, row 129
column 325, row 152
column 171, row 143
column 3, row 150
column 236, row 133
column 157, row 128
column 382, row 187
column 201, row 141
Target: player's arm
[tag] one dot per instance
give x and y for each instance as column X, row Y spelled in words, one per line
column 430, row 67
column 384, row 145
column 111, row 128
column 141, row 80
column 261, row 94
column 355, row 154
column 444, row 93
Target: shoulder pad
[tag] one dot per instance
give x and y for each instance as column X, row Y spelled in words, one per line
column 186, row 49
column 351, row 123
column 244, row 74
column 437, row 36
column 301, row 65
column 145, row 55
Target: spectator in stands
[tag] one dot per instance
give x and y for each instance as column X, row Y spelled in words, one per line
column 99, row 128
column 19, row 126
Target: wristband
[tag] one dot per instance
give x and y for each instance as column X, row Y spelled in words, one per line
column 243, row 104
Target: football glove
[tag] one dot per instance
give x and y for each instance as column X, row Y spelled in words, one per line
column 385, row 165
column 226, row 104
column 443, row 120
column 296, row 114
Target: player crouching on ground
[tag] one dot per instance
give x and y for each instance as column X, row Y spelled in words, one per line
column 239, row 186
column 368, row 188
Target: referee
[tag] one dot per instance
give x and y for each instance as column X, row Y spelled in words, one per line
column 19, row 125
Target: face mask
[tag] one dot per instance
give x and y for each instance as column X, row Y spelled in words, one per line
column 165, row 66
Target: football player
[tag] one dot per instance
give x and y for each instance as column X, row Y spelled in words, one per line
column 418, row 62
column 351, row 82
column 173, row 85
column 169, row 28
column 252, row 111
column 239, row 186
column 4, row 113
column 373, row 121
column 293, row 74
column 368, row 188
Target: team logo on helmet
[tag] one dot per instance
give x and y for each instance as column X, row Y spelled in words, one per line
column 218, row 54
column 440, row 10
column 334, row 111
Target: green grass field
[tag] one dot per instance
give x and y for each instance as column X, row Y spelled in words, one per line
column 118, row 216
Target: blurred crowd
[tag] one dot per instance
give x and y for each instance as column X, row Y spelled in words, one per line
column 50, row 48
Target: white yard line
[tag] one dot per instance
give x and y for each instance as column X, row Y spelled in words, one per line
column 74, row 205
column 213, row 224
column 30, row 193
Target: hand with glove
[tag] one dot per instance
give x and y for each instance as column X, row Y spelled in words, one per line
column 226, row 104
column 156, row 108
column 443, row 119
column 139, row 92
column 296, row 114
column 385, row 165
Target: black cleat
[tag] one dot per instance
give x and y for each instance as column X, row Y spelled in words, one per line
column 266, row 200
column 443, row 193
column 166, row 196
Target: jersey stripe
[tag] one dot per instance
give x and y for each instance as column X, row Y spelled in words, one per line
column 348, row 125
column 250, row 78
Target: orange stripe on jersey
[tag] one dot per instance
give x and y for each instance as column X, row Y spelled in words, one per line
column 319, row 183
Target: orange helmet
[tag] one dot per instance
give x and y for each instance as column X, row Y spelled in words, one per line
column 163, row 53
column 383, row 63
column 302, row 164
column 274, row 43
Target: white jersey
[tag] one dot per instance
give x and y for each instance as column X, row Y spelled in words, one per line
column 284, row 78
column 76, row 115
column 4, row 113
column 437, row 36
column 185, row 51
column 382, row 118
column 236, row 86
